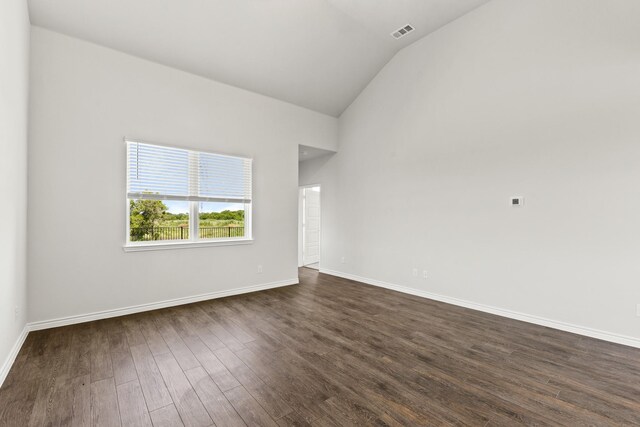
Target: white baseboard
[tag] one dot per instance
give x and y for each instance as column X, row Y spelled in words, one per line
column 8, row 363
column 70, row 320
column 563, row 326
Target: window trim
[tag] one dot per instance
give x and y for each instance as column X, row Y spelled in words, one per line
column 194, row 219
column 167, row 244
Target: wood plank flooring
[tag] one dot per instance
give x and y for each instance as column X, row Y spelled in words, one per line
column 328, row 352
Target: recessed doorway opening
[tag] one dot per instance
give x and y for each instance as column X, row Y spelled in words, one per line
column 309, row 222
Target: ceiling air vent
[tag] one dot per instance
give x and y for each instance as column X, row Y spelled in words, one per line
column 402, row 31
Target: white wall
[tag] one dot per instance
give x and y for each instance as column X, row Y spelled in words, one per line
column 85, row 99
column 14, row 88
column 539, row 99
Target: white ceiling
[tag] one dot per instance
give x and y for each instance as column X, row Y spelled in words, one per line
column 318, row 54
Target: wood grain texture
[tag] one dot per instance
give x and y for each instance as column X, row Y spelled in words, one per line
column 80, row 411
column 101, row 366
column 249, row 409
column 219, row 408
column 153, row 386
column 104, row 404
column 166, row 417
column 221, row 375
column 133, row 408
column 184, row 396
column 327, row 352
column 124, row 370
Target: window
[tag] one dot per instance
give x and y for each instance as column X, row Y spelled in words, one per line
column 179, row 197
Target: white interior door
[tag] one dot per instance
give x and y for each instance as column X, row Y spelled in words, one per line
column 311, row 226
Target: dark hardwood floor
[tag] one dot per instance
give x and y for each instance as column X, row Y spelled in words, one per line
column 327, row 352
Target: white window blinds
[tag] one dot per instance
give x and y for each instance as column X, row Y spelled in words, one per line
column 158, row 172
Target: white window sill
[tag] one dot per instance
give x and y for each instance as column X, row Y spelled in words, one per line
column 132, row 247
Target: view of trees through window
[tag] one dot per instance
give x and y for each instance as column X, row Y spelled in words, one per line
column 169, row 220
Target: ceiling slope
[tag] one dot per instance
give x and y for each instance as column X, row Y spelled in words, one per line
column 318, row 54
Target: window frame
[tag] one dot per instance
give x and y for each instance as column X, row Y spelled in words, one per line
column 194, row 240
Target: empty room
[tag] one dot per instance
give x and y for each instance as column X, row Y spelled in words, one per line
column 319, row 213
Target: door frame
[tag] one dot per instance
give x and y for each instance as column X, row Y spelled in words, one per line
column 301, row 189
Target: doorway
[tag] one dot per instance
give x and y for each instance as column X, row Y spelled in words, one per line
column 309, row 227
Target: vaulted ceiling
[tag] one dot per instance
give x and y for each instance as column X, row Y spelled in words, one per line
column 318, row 54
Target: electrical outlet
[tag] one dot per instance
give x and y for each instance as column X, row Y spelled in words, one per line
column 16, row 313
column 424, row 274
column 342, row 260
column 415, row 272
column 638, row 310
column 259, row 269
